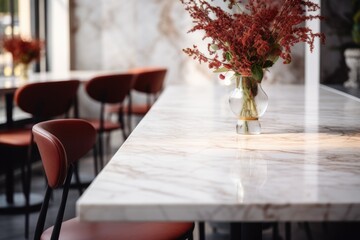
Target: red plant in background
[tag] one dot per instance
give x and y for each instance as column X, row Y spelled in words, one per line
column 23, row 51
column 249, row 39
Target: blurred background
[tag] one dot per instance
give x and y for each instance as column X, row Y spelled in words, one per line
column 120, row 34
column 124, row 34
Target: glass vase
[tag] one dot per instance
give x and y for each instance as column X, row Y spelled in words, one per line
column 248, row 102
column 23, row 71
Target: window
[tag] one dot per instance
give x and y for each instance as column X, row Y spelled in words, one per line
column 9, row 25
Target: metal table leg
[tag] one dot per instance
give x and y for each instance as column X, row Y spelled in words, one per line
column 246, row 231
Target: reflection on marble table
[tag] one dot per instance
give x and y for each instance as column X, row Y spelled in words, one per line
column 184, row 161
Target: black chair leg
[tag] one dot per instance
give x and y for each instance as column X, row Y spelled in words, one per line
column 191, row 237
column 24, row 187
column 101, row 152
column 129, row 124
column 77, row 178
column 95, row 155
column 42, row 216
column 28, row 190
column 124, row 134
column 108, row 144
column 59, row 218
column 188, row 235
column 122, row 124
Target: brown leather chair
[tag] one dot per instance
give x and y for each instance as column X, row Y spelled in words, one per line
column 43, row 101
column 61, row 143
column 149, row 81
column 108, row 89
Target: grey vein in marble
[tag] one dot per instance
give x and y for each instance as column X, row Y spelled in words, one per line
column 184, row 161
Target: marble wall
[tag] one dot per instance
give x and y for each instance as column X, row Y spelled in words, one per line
column 121, row 34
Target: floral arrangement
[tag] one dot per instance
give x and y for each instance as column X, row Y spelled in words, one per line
column 355, row 31
column 247, row 39
column 23, row 51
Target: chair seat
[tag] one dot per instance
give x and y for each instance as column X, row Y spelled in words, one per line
column 139, row 109
column 73, row 229
column 136, row 109
column 113, row 108
column 108, row 125
column 15, row 137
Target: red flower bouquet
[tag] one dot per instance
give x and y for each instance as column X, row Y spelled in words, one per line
column 23, row 51
column 247, row 39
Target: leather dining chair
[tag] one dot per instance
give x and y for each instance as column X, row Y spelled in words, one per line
column 43, row 100
column 61, row 143
column 148, row 81
column 108, row 89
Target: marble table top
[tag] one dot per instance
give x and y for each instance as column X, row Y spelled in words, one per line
column 10, row 84
column 184, row 161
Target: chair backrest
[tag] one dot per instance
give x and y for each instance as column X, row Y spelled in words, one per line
column 110, row 88
column 61, row 143
column 149, row 80
column 46, row 100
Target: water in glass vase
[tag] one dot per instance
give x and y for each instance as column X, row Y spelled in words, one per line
column 248, row 102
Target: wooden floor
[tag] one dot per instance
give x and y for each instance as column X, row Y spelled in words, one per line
column 12, row 227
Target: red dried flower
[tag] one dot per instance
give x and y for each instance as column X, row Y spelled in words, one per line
column 222, row 76
column 250, row 38
column 23, row 51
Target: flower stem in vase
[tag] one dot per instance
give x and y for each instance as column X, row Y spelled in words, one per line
column 248, row 114
column 24, row 71
column 248, row 103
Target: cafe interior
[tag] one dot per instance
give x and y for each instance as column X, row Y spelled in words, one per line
column 111, row 131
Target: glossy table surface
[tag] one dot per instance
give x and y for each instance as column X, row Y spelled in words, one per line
column 184, row 161
column 10, row 84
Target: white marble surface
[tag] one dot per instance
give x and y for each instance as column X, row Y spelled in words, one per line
column 127, row 34
column 123, row 34
column 10, row 84
column 184, row 161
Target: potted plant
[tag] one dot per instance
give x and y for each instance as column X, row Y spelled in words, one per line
column 352, row 53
